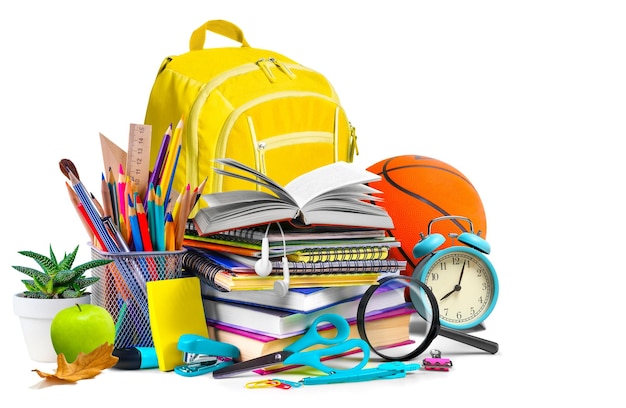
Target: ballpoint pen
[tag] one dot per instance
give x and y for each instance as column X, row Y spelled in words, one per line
column 388, row 370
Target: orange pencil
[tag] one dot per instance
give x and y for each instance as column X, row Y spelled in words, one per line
column 170, row 233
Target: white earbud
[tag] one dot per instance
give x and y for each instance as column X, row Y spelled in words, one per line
column 281, row 287
column 263, row 266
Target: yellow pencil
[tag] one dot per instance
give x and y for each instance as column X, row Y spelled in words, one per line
column 168, row 168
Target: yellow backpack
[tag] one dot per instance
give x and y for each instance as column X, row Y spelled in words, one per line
column 253, row 105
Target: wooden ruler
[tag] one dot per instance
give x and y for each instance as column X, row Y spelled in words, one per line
column 138, row 159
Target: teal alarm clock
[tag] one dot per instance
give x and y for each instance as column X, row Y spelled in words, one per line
column 460, row 276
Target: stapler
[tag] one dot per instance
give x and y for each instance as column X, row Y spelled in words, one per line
column 202, row 355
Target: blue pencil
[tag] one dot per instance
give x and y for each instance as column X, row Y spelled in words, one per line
column 134, row 225
column 171, row 181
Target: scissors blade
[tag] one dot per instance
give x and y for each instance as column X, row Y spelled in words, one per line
column 252, row 364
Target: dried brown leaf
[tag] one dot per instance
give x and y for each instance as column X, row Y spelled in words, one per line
column 85, row 366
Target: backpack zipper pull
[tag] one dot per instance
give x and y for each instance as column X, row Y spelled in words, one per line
column 262, row 63
column 353, row 148
column 261, row 149
column 284, row 68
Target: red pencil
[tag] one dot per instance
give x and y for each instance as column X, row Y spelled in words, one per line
column 143, row 226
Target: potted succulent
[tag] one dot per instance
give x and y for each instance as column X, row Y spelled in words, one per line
column 56, row 285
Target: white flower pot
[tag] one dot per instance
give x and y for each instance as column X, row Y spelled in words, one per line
column 36, row 317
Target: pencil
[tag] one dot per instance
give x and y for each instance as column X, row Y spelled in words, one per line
column 172, row 175
column 170, row 233
column 199, row 191
column 128, row 193
column 134, row 225
column 92, row 214
column 142, row 218
column 159, row 220
column 113, row 193
column 106, row 197
column 85, row 216
column 76, row 204
column 181, row 220
column 121, row 190
column 173, row 152
column 150, row 214
column 97, row 204
column 157, row 171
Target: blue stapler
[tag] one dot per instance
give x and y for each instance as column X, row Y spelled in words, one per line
column 202, row 355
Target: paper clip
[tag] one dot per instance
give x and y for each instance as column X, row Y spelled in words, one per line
column 263, row 384
column 284, row 384
column 436, row 363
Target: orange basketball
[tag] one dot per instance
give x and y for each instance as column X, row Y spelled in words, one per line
column 417, row 189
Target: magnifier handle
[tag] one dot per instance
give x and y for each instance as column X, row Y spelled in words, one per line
column 486, row 345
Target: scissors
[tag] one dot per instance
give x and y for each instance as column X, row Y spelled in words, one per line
column 295, row 353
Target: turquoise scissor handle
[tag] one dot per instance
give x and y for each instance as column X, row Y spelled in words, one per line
column 339, row 344
column 312, row 336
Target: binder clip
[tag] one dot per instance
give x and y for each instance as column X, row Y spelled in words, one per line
column 436, row 363
column 202, row 355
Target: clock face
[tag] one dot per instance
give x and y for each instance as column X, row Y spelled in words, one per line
column 464, row 284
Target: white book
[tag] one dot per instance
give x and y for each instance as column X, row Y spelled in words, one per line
column 299, row 300
column 335, row 194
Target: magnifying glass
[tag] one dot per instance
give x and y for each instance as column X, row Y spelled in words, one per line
column 398, row 329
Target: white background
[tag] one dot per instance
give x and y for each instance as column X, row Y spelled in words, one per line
column 527, row 99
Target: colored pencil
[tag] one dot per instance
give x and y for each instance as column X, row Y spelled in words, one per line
column 142, row 218
column 134, row 225
column 106, row 197
column 157, row 171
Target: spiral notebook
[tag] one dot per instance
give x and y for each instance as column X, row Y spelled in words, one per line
column 340, row 254
column 226, row 273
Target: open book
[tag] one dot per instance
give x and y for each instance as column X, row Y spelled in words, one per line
column 335, row 194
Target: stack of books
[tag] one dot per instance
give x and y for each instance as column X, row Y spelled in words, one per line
column 326, row 223
column 260, row 322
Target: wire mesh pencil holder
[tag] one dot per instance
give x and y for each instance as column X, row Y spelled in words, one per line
column 122, row 290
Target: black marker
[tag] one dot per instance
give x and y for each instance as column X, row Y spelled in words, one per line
column 134, row 358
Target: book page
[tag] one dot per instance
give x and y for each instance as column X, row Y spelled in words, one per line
column 326, row 178
column 256, row 178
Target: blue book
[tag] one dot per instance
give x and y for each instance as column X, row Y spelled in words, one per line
column 282, row 323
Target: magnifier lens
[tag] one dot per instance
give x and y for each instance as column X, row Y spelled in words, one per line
column 397, row 318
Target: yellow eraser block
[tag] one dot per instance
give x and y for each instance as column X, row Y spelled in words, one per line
column 175, row 307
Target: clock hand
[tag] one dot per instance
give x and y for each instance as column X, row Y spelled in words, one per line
column 457, row 287
column 461, row 277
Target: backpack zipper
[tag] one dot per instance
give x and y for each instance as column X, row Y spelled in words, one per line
column 264, row 65
column 191, row 125
column 222, row 140
column 283, row 67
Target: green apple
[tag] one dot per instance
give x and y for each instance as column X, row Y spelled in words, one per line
column 81, row 328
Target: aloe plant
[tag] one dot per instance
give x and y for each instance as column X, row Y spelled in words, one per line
column 58, row 279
